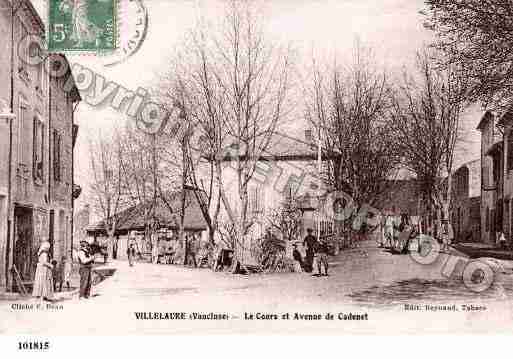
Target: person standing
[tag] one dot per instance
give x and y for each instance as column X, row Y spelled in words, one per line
column 67, row 267
column 43, row 281
column 501, row 240
column 86, row 266
column 447, row 235
column 298, row 259
column 154, row 248
column 130, row 252
column 191, row 250
column 322, row 258
column 56, row 278
column 389, row 230
column 310, row 243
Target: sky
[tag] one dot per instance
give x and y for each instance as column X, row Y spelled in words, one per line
column 323, row 28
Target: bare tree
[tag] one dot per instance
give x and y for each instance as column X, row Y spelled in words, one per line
column 106, row 187
column 347, row 107
column 232, row 84
column 140, row 173
column 426, row 117
column 476, row 35
column 286, row 219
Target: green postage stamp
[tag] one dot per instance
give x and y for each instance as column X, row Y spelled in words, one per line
column 82, row 25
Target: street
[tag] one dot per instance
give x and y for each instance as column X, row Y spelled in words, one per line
column 362, row 280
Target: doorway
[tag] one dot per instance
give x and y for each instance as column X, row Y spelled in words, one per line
column 25, row 250
column 51, row 234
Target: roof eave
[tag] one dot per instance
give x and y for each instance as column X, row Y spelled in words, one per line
column 487, row 115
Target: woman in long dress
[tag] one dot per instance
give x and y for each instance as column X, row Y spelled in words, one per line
column 43, row 282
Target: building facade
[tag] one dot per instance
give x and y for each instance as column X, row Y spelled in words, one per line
column 497, row 176
column 286, row 170
column 132, row 223
column 465, row 202
column 37, row 175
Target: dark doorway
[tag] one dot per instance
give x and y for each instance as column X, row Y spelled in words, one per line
column 25, row 250
column 51, row 233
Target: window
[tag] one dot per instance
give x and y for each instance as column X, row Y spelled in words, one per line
column 57, row 143
column 492, row 220
column 23, row 132
column 507, row 217
column 509, row 158
column 487, row 220
column 38, row 137
column 23, row 59
column 255, row 200
column 484, row 176
column 510, row 219
column 496, row 170
column 36, row 56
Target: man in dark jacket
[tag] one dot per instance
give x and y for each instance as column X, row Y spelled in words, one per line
column 321, row 257
column 86, row 266
column 310, row 243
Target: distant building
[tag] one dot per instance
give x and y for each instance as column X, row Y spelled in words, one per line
column 497, row 176
column 465, row 202
column 287, row 169
column 167, row 212
column 402, row 197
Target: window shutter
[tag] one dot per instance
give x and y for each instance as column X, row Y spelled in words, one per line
column 56, row 156
column 54, row 144
column 42, row 152
column 256, row 209
column 509, row 157
column 34, row 148
column 59, row 157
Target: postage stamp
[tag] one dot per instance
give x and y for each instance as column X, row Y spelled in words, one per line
column 82, row 25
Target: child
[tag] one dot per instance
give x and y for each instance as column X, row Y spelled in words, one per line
column 298, row 259
column 57, row 278
column 66, row 268
column 501, row 240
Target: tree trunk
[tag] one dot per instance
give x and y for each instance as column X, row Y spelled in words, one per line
column 110, row 243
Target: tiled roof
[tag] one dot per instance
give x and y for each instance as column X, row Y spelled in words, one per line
column 133, row 217
column 285, row 147
column 486, row 117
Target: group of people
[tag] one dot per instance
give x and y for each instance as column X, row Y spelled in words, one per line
column 168, row 251
column 51, row 274
column 397, row 232
column 316, row 254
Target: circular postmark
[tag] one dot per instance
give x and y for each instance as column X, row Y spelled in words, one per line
column 132, row 30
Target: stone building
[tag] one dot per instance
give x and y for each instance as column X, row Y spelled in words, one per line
column 287, row 169
column 132, row 220
column 497, row 176
column 465, row 202
column 36, row 145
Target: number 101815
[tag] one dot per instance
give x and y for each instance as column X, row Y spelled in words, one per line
column 33, row 345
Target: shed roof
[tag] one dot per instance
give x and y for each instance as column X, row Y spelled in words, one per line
column 167, row 214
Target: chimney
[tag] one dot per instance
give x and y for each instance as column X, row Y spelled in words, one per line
column 309, row 136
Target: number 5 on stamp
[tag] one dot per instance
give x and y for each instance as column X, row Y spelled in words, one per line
column 82, row 25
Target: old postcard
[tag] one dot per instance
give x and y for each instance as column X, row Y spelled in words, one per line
column 255, row 167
